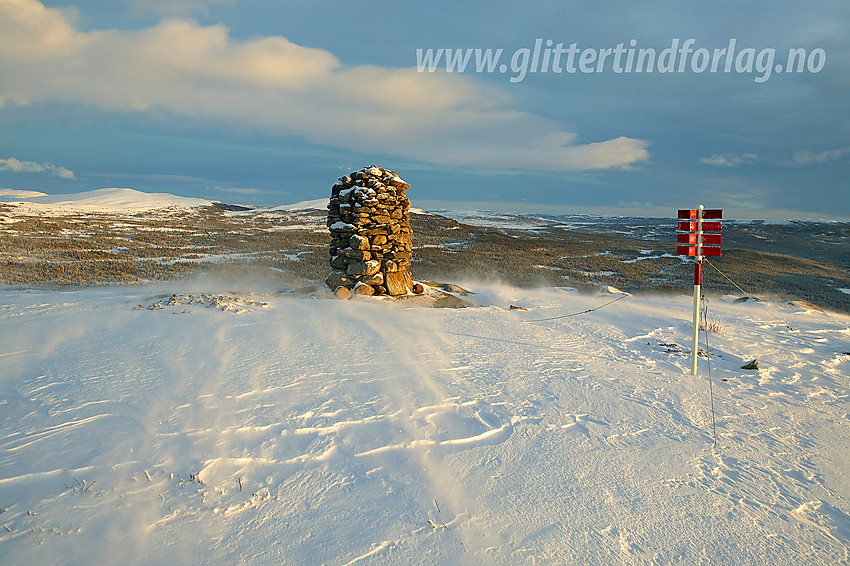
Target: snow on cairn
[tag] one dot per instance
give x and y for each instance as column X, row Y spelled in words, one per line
column 370, row 233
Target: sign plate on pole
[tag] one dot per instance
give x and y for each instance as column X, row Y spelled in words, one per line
column 694, row 226
column 692, row 214
column 700, row 239
column 691, row 251
column 710, row 239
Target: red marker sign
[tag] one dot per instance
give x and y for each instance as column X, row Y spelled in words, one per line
column 706, row 226
column 700, row 239
column 693, row 214
column 691, row 251
column 711, row 239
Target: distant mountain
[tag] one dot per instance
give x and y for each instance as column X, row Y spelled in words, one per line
column 106, row 200
column 315, row 204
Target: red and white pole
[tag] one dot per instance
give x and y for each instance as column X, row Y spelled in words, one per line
column 697, row 296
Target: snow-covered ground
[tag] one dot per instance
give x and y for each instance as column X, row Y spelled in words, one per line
column 270, row 429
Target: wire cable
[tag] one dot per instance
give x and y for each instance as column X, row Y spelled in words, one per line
column 708, row 361
column 770, row 312
column 623, row 296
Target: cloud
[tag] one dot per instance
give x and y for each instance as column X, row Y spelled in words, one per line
column 741, row 196
column 18, row 166
column 635, row 204
column 152, row 177
column 730, row 159
column 176, row 7
column 284, row 89
column 239, row 190
column 799, row 159
column 806, row 157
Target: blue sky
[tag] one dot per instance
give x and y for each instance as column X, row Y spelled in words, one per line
column 267, row 102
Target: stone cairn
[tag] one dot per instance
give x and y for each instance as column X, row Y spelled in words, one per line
column 370, row 234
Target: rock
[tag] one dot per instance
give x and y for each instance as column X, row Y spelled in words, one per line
column 359, row 255
column 607, row 289
column 516, row 308
column 372, row 267
column 449, row 287
column 358, row 242
column 342, row 293
column 341, row 227
column 398, row 282
column 418, row 288
column 452, row 288
column 433, row 298
column 338, row 278
column 361, row 268
column 376, row 279
column 807, row 305
column 356, row 268
column 751, row 365
column 364, row 289
column 397, row 182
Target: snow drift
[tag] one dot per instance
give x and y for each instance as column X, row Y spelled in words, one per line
column 282, row 430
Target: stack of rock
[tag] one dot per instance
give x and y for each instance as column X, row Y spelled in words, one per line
column 370, row 233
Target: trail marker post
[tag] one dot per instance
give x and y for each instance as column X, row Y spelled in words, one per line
column 697, row 238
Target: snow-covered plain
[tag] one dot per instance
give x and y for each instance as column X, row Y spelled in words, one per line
column 302, row 431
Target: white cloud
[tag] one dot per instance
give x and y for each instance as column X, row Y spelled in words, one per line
column 635, row 204
column 285, row 89
column 730, row 159
column 806, row 157
column 18, row 166
column 799, row 159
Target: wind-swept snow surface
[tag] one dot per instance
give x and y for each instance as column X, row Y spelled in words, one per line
column 219, row 429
